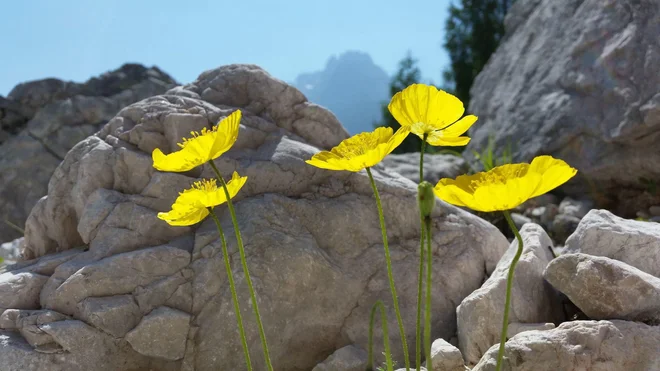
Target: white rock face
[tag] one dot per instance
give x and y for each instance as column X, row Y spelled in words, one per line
column 312, row 236
column 604, row 288
column 533, row 300
column 581, row 345
column 577, row 79
column 633, row 242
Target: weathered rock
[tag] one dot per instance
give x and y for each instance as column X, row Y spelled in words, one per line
column 29, row 324
column 348, row 358
column 580, row 345
column 532, row 299
column 115, row 315
column 313, row 239
column 604, row 288
column 563, row 226
column 55, row 115
column 436, row 167
column 78, row 347
column 577, row 80
column 161, row 333
column 602, row 233
column 446, row 357
column 517, row 327
column 20, row 291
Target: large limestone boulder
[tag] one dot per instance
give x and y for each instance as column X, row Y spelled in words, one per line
column 581, row 345
column 312, row 237
column 577, row 79
column 40, row 121
column 436, row 166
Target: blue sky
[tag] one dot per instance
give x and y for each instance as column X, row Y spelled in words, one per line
column 77, row 39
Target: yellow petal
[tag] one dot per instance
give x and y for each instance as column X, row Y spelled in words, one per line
column 179, row 161
column 554, row 173
column 226, row 134
column 326, row 160
column 459, row 127
column 427, row 104
column 218, row 197
column 454, row 192
column 184, row 217
column 437, row 138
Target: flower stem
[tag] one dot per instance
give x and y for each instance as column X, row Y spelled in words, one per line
column 386, row 337
column 427, row 310
column 420, row 280
column 388, row 260
column 421, row 159
column 509, row 283
column 241, row 250
column 232, row 287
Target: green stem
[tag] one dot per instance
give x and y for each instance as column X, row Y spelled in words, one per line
column 388, row 260
column 232, row 287
column 420, row 280
column 241, row 250
column 509, row 283
column 427, row 311
column 386, row 337
column 421, row 159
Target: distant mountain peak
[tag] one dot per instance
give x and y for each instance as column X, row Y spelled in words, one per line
column 351, row 85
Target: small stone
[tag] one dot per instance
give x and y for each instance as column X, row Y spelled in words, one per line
column 162, row 333
column 519, row 220
column 633, row 242
column 605, row 288
column 575, row 208
column 446, row 357
column 348, row 358
column 563, row 226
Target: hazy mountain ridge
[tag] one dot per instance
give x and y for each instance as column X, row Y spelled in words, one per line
column 352, row 86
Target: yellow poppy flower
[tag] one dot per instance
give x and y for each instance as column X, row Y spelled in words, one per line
column 360, row 151
column 201, row 148
column 507, row 186
column 432, row 112
column 191, row 207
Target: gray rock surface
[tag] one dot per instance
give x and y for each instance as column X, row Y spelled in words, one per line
column 581, row 345
column 348, row 358
column 576, row 79
column 21, row 290
column 605, row 288
column 312, row 236
column 436, row 167
column 446, row 357
column 161, row 334
column 115, row 315
column 532, row 299
column 633, row 242
column 42, row 120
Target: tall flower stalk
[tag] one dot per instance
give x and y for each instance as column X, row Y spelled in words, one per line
column 433, row 115
column 502, row 189
column 241, row 251
column 195, row 204
column 359, row 152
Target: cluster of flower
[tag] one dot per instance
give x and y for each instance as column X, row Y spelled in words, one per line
column 431, row 114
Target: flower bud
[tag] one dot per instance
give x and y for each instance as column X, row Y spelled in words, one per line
column 425, row 198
